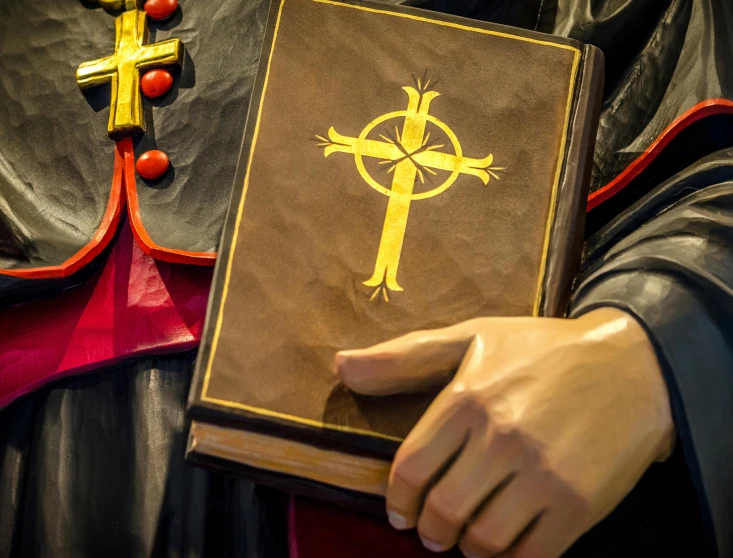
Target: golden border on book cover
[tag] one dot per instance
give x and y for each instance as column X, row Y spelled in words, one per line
column 227, row 275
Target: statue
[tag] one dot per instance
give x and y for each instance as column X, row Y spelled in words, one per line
column 605, row 434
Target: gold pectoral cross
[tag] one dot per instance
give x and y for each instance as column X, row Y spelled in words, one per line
column 122, row 70
column 410, row 156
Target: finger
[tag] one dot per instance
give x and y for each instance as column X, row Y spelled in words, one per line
column 487, row 462
column 550, row 537
column 425, row 453
column 504, row 518
column 408, row 363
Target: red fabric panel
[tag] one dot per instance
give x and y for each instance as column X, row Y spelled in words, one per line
column 319, row 530
column 134, row 306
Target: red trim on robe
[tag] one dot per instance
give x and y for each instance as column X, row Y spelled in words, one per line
column 124, row 189
column 695, row 114
column 102, row 237
column 138, row 229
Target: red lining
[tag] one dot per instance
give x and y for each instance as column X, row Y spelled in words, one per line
column 138, row 229
column 124, row 190
column 695, row 114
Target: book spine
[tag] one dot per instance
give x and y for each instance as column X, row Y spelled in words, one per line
column 566, row 240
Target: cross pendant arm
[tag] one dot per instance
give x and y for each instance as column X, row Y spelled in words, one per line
column 164, row 53
column 122, row 70
column 97, row 72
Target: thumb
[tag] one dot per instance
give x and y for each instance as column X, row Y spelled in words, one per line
column 409, row 363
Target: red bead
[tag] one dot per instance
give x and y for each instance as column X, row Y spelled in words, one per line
column 152, row 164
column 161, row 9
column 156, row 83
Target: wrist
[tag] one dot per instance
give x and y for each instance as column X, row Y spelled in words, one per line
column 635, row 347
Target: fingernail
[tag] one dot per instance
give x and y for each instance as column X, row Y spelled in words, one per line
column 397, row 521
column 431, row 546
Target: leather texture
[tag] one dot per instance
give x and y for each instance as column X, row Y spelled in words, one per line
column 72, row 454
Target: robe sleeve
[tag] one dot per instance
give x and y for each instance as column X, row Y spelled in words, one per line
column 668, row 261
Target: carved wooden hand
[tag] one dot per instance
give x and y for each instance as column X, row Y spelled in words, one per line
column 547, row 425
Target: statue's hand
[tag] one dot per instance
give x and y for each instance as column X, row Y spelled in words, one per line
column 543, row 430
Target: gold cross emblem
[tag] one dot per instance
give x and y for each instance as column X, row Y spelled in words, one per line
column 122, row 70
column 410, row 155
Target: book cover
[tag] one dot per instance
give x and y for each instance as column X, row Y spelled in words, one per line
column 400, row 170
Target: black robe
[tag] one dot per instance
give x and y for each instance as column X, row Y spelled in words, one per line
column 93, row 465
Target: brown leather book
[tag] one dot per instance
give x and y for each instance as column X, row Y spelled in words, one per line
column 400, row 170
